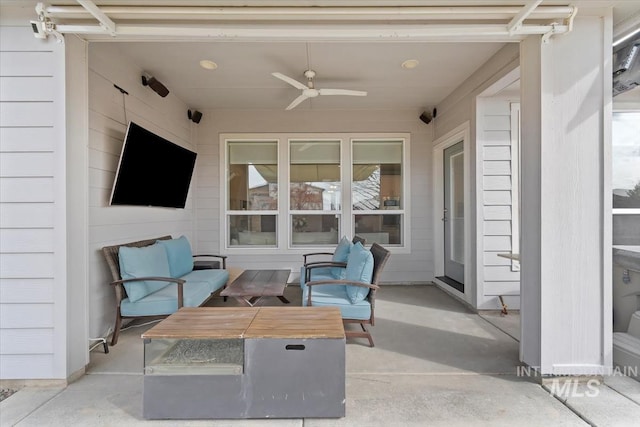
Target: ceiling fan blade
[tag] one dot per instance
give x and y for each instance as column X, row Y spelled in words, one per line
column 296, row 101
column 291, row 81
column 342, row 92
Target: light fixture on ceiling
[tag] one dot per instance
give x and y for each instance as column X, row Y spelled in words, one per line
column 410, row 64
column 154, row 84
column 208, row 64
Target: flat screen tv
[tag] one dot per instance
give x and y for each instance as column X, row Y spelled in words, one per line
column 152, row 171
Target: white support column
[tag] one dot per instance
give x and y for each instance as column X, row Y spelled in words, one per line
column 566, row 97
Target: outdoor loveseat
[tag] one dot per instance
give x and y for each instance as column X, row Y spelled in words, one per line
column 156, row 277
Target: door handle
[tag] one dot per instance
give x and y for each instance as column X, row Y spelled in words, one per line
column 444, row 215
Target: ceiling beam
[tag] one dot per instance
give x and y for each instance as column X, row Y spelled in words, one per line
column 404, row 13
column 105, row 22
column 517, row 20
column 462, row 32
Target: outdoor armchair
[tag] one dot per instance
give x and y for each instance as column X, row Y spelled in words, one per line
column 354, row 295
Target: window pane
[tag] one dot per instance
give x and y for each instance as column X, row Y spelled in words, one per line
column 315, row 175
column 456, row 204
column 625, row 155
column 626, row 230
column 382, row 229
column 252, row 230
column 377, row 175
column 253, row 175
column 314, row 229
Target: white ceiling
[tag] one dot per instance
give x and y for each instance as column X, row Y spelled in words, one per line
column 243, row 78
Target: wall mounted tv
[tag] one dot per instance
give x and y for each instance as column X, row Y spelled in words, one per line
column 152, row 171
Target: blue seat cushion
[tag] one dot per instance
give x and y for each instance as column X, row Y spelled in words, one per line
column 214, row 279
column 165, row 300
column 143, row 262
column 336, row 296
column 179, row 255
column 359, row 269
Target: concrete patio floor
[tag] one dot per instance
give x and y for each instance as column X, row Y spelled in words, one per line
column 435, row 363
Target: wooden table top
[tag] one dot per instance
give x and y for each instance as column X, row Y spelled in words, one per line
column 256, row 283
column 296, row 322
column 249, row 322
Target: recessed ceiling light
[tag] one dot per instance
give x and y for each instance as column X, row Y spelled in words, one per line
column 410, row 63
column 209, row 65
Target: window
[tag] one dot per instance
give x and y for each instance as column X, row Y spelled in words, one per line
column 377, row 187
column 295, row 191
column 315, row 189
column 625, row 181
column 252, row 185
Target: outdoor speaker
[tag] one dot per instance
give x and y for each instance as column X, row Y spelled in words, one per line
column 426, row 117
column 154, row 84
column 195, row 116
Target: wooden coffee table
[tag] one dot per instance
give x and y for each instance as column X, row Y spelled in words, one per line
column 252, row 285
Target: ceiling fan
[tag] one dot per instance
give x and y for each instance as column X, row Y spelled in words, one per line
column 309, row 91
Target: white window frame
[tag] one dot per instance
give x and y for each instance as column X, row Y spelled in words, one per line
column 347, row 226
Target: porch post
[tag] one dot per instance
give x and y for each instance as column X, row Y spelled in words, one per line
column 565, row 265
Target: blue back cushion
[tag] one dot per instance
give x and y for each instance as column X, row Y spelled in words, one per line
column 359, row 269
column 341, row 254
column 143, row 262
column 179, row 255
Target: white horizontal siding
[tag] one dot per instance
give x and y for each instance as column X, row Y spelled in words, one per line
column 28, row 240
column 21, row 139
column 26, row 88
column 18, row 291
column 26, row 164
column 27, row 114
column 25, row 215
column 26, row 190
column 497, row 198
column 497, row 228
column 497, row 275
column 497, row 167
column 21, row 316
column 497, row 153
column 496, row 182
column 32, row 321
column 25, row 265
column 26, row 341
column 40, row 366
column 25, row 64
column 496, row 212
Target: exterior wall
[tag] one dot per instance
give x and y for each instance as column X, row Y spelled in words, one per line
column 413, row 267
column 33, row 282
column 110, row 225
column 495, row 181
column 455, row 110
